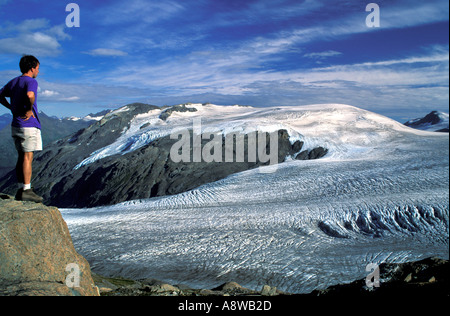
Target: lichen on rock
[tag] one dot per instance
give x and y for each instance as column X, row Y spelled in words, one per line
column 37, row 256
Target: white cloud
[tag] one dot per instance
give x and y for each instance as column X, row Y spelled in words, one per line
column 106, row 52
column 322, row 55
column 139, row 11
column 394, row 83
column 33, row 37
column 48, row 93
column 35, row 43
column 415, row 13
column 70, row 99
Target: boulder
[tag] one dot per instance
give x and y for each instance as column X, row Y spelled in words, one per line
column 297, row 147
column 267, row 290
column 37, row 256
column 318, row 153
column 302, row 156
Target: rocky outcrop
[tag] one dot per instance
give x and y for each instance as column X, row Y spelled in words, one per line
column 425, row 278
column 153, row 287
column 176, row 108
column 37, row 256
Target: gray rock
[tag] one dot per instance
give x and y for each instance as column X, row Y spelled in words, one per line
column 176, row 108
column 269, row 291
column 297, row 147
column 304, row 155
column 318, row 153
column 37, row 253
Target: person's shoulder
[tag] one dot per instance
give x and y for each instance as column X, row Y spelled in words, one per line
column 29, row 79
column 12, row 81
column 30, row 82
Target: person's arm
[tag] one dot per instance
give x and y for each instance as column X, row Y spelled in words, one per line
column 29, row 113
column 3, row 100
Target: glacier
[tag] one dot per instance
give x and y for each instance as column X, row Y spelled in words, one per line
column 380, row 195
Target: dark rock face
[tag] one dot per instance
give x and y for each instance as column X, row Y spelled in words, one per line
column 143, row 173
column 433, row 118
column 316, row 153
column 176, row 108
column 428, row 278
column 147, row 172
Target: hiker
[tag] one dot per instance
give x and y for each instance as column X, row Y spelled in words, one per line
column 25, row 127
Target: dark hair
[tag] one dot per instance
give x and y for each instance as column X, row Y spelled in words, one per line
column 28, row 62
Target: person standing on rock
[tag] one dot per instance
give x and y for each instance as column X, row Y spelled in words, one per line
column 25, row 127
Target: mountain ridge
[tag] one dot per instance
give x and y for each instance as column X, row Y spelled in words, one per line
column 53, row 129
column 126, row 155
column 435, row 121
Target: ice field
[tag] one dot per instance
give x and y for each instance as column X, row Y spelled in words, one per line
column 380, row 195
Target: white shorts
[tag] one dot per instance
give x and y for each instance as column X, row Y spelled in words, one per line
column 27, row 139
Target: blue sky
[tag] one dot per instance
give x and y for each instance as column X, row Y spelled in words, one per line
column 249, row 52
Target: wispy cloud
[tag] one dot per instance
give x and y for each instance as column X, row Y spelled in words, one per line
column 257, row 52
column 322, row 55
column 106, row 52
column 34, row 36
column 408, row 14
column 264, row 12
column 400, row 83
column 139, row 12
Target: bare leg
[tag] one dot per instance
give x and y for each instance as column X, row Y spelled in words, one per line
column 19, row 167
column 27, row 167
column 24, row 169
column 24, row 172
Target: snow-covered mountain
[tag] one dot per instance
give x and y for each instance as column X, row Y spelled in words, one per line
column 341, row 128
column 90, row 117
column 434, row 122
column 381, row 194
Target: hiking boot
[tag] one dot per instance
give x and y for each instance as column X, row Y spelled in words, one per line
column 29, row 195
column 18, row 196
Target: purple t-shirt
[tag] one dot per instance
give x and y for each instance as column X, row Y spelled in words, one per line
column 17, row 90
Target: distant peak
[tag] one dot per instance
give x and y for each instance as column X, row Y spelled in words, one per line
column 433, row 121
